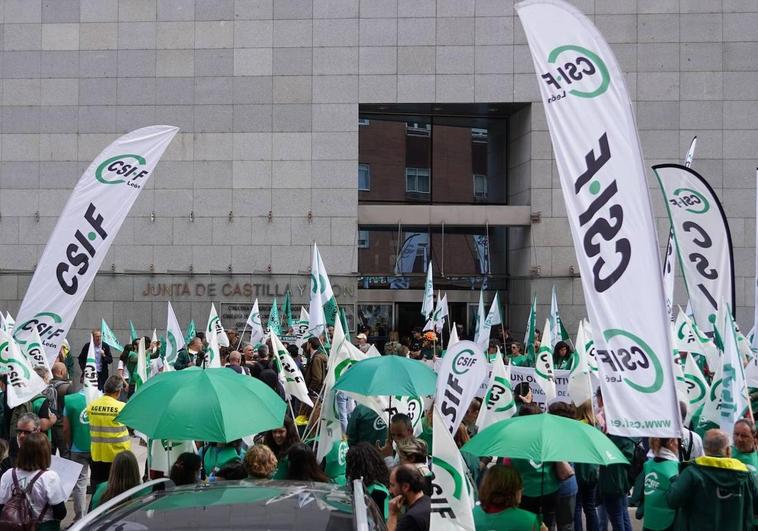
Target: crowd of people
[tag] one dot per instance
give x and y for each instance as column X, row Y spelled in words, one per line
column 678, row 483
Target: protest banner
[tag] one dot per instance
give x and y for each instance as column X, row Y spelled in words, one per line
column 460, row 376
column 603, row 178
column 85, row 230
column 703, row 241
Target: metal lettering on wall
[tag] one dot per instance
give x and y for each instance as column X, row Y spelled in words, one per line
column 243, row 290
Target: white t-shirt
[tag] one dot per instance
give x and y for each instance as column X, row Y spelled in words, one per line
column 47, row 489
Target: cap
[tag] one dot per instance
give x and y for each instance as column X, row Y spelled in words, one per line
column 362, row 336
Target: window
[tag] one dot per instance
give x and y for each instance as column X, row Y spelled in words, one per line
column 362, row 239
column 418, row 129
column 417, row 180
column 480, row 187
column 478, row 134
column 363, row 121
column 364, row 177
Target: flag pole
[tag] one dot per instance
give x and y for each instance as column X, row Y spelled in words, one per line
column 244, row 328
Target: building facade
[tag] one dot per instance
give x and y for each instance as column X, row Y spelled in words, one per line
column 390, row 132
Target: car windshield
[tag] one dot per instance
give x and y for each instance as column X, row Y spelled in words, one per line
column 240, row 506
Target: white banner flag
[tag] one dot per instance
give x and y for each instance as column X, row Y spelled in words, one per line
column 580, row 384
column 35, row 352
column 493, row 318
column 453, row 499
column 174, row 336
column 697, row 386
column 543, row 367
column 427, row 305
column 289, row 374
column 89, row 374
column 498, row 403
column 23, row 382
column 598, row 156
column 703, row 241
column 215, row 326
column 316, row 319
column 213, row 352
column 461, row 373
column 85, row 230
column 256, row 327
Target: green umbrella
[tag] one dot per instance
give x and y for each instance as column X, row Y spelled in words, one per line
column 214, row 405
column 545, row 438
column 388, row 375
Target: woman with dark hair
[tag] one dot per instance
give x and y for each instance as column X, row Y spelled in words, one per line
column 186, row 469
column 499, row 498
column 280, row 441
column 363, row 461
column 563, row 360
column 123, row 476
column 302, row 465
column 46, row 496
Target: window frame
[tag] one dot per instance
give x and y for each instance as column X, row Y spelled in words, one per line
column 367, row 167
column 411, row 171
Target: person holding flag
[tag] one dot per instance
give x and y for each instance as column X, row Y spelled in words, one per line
column 103, row 357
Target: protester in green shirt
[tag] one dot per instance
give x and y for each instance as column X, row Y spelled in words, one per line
column 562, row 357
column 364, row 462
column 364, row 425
column 123, row 476
column 499, row 496
column 77, row 437
column 653, row 483
column 216, row 456
column 744, row 444
column 279, row 441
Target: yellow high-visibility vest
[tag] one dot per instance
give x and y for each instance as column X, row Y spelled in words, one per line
column 109, row 437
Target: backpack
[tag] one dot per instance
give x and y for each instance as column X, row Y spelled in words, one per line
column 637, row 462
column 18, row 513
column 50, row 392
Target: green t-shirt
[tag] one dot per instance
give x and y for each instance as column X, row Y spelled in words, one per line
column 513, row 519
column 538, row 478
column 335, row 462
column 97, row 495
column 281, row 468
column 750, row 460
column 75, row 409
column 215, row 458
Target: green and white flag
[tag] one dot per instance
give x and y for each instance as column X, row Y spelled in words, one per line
column 498, row 403
column 531, row 331
column 10, row 323
column 453, row 501
column 558, row 331
column 328, row 301
column 133, row 334
column 141, row 374
column 480, row 317
column 213, row 354
column 287, row 310
column 254, row 322
column 89, row 374
column 34, row 351
column 301, row 328
column 493, row 318
column 453, row 339
column 728, row 398
column 427, row 305
column 697, row 387
column 274, row 323
column 316, row 320
column 289, row 374
column 579, row 380
column 109, row 338
column 543, row 367
column 437, row 321
column 191, row 332
column 3, row 328
column 174, row 338
column 88, row 224
column 689, row 338
column 23, row 382
column 214, row 325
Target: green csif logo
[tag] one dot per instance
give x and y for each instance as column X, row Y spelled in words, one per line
column 630, row 358
column 691, row 200
column 577, row 72
column 122, row 169
column 47, row 324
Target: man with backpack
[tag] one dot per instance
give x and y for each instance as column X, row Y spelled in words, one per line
column 40, row 407
column 62, row 386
